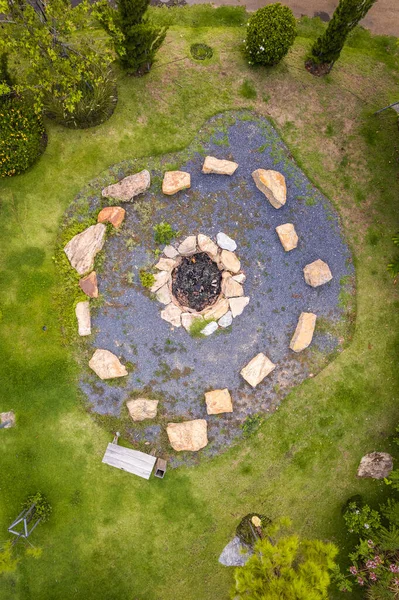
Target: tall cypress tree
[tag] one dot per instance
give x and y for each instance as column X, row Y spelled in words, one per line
column 327, row 48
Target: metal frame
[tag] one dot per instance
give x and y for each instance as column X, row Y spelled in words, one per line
column 25, row 517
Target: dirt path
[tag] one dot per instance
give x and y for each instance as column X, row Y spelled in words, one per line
column 383, row 18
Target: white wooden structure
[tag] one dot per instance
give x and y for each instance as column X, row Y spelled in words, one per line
column 132, row 461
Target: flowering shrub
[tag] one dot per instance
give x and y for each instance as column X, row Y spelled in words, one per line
column 21, row 136
column 270, row 34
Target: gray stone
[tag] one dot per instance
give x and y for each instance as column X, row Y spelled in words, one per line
column 226, row 320
column 82, row 311
column 163, row 294
column 83, row 247
column 172, row 314
column 188, row 247
column 237, row 305
column 225, row 242
column 170, row 251
column 376, row 465
column 205, row 244
column 7, row 419
column 160, row 279
column 235, row 554
column 210, row 328
column 129, row 187
column 106, row 365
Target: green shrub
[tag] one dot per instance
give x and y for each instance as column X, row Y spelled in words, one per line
column 147, row 279
column 201, row 51
column 42, row 506
column 197, row 326
column 251, row 424
column 270, row 34
column 22, row 137
column 245, row 529
column 96, row 105
column 163, row 233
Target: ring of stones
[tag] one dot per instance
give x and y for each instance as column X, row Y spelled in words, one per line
column 229, row 304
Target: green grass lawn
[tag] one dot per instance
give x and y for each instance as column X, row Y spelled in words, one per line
column 113, row 536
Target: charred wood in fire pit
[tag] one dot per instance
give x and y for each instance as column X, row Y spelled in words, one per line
column 196, row 282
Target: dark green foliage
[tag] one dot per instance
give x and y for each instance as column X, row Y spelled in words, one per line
column 147, row 279
column 284, row 567
column 5, row 76
column 95, row 106
column 163, row 233
column 328, row 47
column 42, row 506
column 252, row 424
column 201, row 51
column 21, row 135
column 247, row 90
column 135, row 39
column 197, row 327
column 245, row 529
column 270, row 34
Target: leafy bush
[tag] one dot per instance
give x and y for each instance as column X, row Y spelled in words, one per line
column 163, row 233
column 96, row 105
column 147, row 279
column 245, row 528
column 22, row 137
column 42, row 506
column 251, row 424
column 201, row 51
column 270, row 34
column 362, row 520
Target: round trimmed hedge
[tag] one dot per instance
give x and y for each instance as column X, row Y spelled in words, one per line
column 22, row 135
column 271, row 32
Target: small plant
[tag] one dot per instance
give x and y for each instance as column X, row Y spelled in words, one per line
column 197, row 326
column 42, row 506
column 34, row 552
column 271, row 32
column 147, row 279
column 362, row 520
column 201, row 51
column 247, row 90
column 163, row 233
column 251, row 424
column 7, row 562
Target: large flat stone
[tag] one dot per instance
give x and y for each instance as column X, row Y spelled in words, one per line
column 218, row 401
column 235, row 554
column 257, row 369
column 82, row 311
column 106, row 365
column 205, row 244
column 112, row 214
column 288, row 236
column 317, row 273
column 175, row 181
column 190, row 435
column 82, row 249
column 210, row 328
column 141, row 409
column 225, row 242
column 229, row 261
column 376, row 465
column 89, row 285
column 303, row 335
column 231, row 288
column 217, row 311
column 172, row 314
column 161, row 279
column 219, row 166
column 237, row 305
column 272, row 185
column 163, row 294
column 188, row 247
column 166, row 264
column 129, row 187
column 170, row 251
column 226, row 320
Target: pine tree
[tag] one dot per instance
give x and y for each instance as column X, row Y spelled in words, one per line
column 327, row 48
column 285, row 568
column 136, row 40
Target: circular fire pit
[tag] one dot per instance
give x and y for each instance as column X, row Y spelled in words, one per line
column 200, row 282
column 197, row 281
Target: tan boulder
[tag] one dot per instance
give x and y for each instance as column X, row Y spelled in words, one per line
column 272, row 185
column 187, row 319
column 376, row 465
column 229, row 261
column 257, row 369
column 188, row 247
column 160, row 279
column 89, row 285
column 303, row 335
column 288, row 236
column 317, row 273
column 205, row 244
column 218, row 401
column 190, row 435
column 82, row 311
column 217, row 311
column 237, row 305
column 106, row 365
column 163, row 294
column 170, row 251
column 82, row 249
column 175, row 181
column 172, row 314
column 166, row 264
column 218, row 166
column 112, row 214
column 141, row 409
column 231, row 288
column 240, row 278
column 129, row 187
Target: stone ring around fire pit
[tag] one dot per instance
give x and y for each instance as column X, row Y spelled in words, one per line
column 200, row 281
